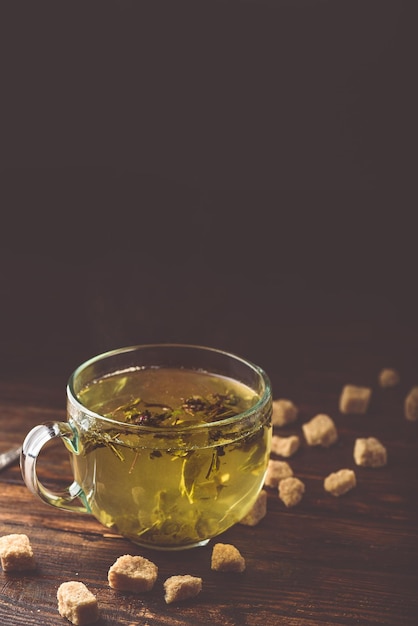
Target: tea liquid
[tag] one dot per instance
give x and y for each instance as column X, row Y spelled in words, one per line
column 176, row 483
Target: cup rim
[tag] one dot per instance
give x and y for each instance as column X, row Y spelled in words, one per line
column 258, row 406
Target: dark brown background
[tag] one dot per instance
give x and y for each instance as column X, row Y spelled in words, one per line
column 210, row 172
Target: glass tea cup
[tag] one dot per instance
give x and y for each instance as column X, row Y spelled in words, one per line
column 168, row 443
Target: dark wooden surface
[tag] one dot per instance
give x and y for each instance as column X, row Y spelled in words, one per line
column 347, row 560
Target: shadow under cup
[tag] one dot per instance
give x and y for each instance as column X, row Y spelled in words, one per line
column 155, row 473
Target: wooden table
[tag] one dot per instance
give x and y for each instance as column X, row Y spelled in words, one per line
column 328, row 560
column 317, row 300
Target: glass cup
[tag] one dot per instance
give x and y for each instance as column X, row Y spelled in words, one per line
column 169, row 444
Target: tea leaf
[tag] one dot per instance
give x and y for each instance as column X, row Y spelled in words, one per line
column 198, row 477
column 214, row 407
column 214, row 465
column 193, row 465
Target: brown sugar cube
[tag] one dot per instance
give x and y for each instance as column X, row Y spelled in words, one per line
column 355, row 399
column 411, row 405
column 284, row 412
column 320, row 431
column 370, row 452
column 276, row 471
column 77, row 604
column 132, row 573
column 285, row 446
column 257, row 512
column 16, row 553
column 291, row 491
column 178, row 588
column 227, row 558
column 388, row 377
column 340, row 482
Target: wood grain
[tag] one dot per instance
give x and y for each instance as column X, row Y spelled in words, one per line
column 347, row 560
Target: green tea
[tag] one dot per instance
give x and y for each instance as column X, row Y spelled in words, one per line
column 189, row 472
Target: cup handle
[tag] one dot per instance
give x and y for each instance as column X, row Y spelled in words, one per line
column 32, row 446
